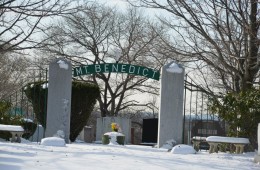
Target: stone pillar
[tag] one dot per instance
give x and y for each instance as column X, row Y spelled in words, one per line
column 170, row 124
column 59, row 99
column 257, row 156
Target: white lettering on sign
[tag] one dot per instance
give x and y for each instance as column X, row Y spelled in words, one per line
column 106, row 68
column 78, row 71
column 123, row 68
column 154, row 71
column 131, row 72
column 97, row 68
column 118, row 68
column 138, row 70
column 115, row 68
column 86, row 69
column 145, row 70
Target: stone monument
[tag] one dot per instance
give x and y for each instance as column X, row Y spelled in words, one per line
column 59, row 99
column 104, row 125
column 170, row 125
column 257, row 156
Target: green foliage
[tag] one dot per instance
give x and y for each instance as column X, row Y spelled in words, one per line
column 120, row 140
column 240, row 110
column 224, row 147
column 7, row 119
column 83, row 99
column 37, row 95
column 4, row 107
column 105, row 139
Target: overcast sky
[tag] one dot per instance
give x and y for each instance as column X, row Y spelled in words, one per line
column 122, row 4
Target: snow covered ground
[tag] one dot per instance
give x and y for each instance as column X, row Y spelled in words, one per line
column 82, row 156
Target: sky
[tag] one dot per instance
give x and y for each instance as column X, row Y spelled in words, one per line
column 53, row 154
column 122, row 5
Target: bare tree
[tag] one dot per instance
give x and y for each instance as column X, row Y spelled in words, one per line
column 219, row 37
column 101, row 35
column 20, row 24
column 21, row 20
column 12, row 74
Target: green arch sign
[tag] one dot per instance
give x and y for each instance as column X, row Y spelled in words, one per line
column 117, row 68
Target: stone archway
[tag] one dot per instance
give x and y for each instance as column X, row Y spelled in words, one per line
column 171, row 95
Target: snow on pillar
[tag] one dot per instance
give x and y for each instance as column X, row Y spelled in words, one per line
column 171, row 104
column 257, row 156
column 59, row 99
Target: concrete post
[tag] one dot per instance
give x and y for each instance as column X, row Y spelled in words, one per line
column 171, row 104
column 59, row 98
column 257, row 156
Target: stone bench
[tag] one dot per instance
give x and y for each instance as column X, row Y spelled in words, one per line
column 16, row 131
column 239, row 143
column 196, row 140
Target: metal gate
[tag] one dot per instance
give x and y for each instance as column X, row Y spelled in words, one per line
column 21, row 107
column 198, row 120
